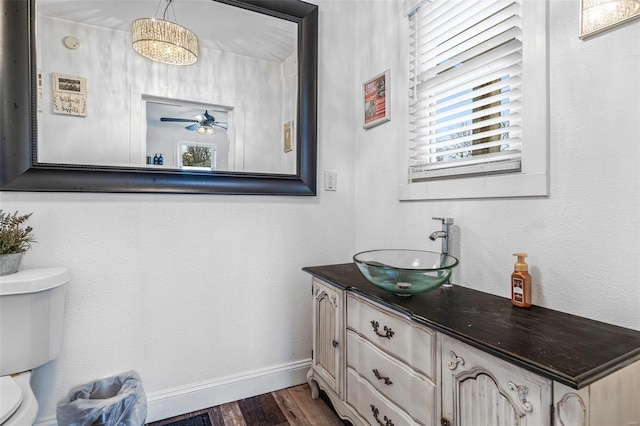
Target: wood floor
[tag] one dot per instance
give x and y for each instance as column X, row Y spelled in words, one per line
column 291, row 406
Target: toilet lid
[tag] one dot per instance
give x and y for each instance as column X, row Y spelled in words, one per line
column 10, row 397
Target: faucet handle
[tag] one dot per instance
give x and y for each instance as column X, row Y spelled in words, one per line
column 444, row 220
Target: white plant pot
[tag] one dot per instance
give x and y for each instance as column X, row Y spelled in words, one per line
column 9, row 263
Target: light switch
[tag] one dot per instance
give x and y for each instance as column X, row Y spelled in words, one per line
column 330, row 180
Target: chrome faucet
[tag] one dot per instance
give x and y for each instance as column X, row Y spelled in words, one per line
column 444, row 234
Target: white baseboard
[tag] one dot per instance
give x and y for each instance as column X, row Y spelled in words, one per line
column 185, row 399
column 197, row 396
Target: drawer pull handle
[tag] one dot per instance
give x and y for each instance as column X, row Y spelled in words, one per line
column 455, row 360
column 376, row 413
column 388, row 333
column 387, row 381
column 334, row 343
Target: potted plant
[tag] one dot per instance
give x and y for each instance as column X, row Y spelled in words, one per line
column 15, row 240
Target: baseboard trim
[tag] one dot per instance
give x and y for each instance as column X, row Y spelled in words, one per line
column 197, row 396
column 185, row 399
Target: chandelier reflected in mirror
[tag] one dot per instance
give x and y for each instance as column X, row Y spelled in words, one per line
column 164, row 41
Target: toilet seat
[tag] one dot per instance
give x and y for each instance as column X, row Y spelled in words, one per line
column 18, row 405
column 10, row 397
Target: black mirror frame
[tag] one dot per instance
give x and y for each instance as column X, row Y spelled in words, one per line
column 20, row 171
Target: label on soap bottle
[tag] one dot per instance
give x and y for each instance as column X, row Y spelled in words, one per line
column 518, row 289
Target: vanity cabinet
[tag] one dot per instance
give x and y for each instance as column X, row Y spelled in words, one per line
column 462, row 357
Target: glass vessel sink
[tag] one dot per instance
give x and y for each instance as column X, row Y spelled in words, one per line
column 405, row 272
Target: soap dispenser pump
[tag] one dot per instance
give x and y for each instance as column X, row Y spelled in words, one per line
column 521, row 283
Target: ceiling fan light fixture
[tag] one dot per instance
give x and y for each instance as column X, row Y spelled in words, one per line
column 164, row 41
column 206, row 130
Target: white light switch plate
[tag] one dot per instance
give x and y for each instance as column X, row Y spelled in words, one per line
column 330, row 180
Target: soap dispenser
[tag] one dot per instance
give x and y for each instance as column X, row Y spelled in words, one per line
column 521, row 283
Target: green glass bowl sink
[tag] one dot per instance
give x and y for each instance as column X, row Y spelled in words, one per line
column 405, row 272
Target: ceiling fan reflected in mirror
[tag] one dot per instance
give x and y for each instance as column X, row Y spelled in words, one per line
column 203, row 124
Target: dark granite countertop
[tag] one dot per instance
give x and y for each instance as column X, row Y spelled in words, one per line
column 572, row 350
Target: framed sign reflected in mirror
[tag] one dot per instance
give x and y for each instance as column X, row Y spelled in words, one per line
column 69, row 95
column 288, row 136
column 599, row 15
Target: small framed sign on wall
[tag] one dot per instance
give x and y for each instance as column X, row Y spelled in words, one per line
column 375, row 94
column 69, row 95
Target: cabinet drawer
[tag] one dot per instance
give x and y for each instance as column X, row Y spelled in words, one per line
column 411, row 343
column 373, row 406
column 411, row 391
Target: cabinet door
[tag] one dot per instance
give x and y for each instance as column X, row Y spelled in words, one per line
column 479, row 389
column 328, row 335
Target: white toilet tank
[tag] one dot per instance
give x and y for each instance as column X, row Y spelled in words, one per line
column 31, row 318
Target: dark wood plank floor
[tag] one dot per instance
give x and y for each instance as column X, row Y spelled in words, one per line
column 291, row 406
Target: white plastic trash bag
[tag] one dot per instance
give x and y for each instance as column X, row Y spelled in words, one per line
column 113, row 401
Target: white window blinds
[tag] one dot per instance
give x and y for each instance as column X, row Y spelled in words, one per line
column 465, row 69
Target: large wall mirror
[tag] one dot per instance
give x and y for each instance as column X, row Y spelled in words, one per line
column 82, row 110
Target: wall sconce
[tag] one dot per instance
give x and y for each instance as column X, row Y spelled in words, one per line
column 599, row 15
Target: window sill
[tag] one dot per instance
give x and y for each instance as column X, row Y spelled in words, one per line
column 496, row 186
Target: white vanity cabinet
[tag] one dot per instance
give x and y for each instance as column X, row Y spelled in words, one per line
column 459, row 357
column 480, row 389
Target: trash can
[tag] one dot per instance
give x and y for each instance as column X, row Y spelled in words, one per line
column 113, row 401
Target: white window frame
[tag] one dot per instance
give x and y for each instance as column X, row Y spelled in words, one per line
column 533, row 179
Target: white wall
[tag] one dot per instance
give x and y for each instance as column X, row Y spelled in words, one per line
column 187, row 289
column 584, row 239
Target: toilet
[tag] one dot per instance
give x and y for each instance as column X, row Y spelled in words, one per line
column 31, row 320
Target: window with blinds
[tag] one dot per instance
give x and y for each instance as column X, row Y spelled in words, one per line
column 465, row 88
